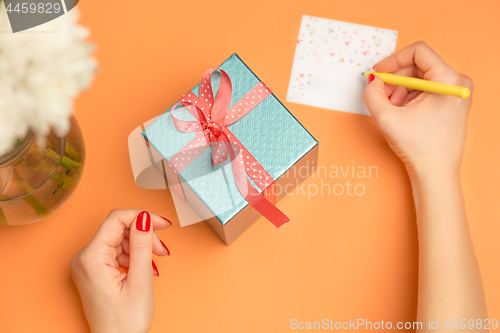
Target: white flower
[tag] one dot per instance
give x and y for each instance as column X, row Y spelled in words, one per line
column 40, row 75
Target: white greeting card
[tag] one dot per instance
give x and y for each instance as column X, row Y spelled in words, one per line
column 329, row 59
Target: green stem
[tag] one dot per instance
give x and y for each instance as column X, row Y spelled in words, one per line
column 64, row 181
column 69, row 151
column 39, row 208
column 31, row 200
column 65, row 162
column 72, row 153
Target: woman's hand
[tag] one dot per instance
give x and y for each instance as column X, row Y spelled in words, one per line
column 427, row 131
column 114, row 301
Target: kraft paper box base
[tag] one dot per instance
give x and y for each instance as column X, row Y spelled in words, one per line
column 267, row 133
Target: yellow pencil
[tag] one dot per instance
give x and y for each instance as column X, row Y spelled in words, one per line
column 422, row 85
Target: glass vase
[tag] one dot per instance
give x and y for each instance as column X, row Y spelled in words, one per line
column 37, row 176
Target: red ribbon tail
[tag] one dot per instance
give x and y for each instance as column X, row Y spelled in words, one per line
column 266, row 208
column 253, row 197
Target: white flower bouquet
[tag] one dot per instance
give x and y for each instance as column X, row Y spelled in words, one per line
column 40, row 75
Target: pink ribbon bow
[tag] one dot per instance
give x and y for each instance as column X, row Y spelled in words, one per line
column 213, row 115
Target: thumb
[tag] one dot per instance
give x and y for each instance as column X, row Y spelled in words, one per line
column 375, row 98
column 140, row 272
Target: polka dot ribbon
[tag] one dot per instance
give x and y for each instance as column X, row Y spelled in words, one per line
column 213, row 115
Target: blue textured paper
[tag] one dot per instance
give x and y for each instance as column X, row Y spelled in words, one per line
column 269, row 132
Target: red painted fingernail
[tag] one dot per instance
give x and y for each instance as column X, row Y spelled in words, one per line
column 143, row 221
column 166, row 219
column 165, row 247
column 370, row 78
column 155, row 269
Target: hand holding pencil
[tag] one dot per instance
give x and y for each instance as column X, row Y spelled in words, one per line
column 426, row 130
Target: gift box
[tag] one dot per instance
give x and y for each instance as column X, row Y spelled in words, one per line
column 232, row 149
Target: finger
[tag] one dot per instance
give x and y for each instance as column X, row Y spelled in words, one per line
column 119, row 250
column 111, row 230
column 140, row 273
column 411, row 71
column 410, row 97
column 123, row 260
column 419, row 54
column 389, row 89
column 159, row 248
column 398, row 96
column 376, row 99
column 126, row 246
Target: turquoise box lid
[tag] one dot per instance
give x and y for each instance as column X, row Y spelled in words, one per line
column 269, row 132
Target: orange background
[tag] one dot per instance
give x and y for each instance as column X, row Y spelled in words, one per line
column 340, row 257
